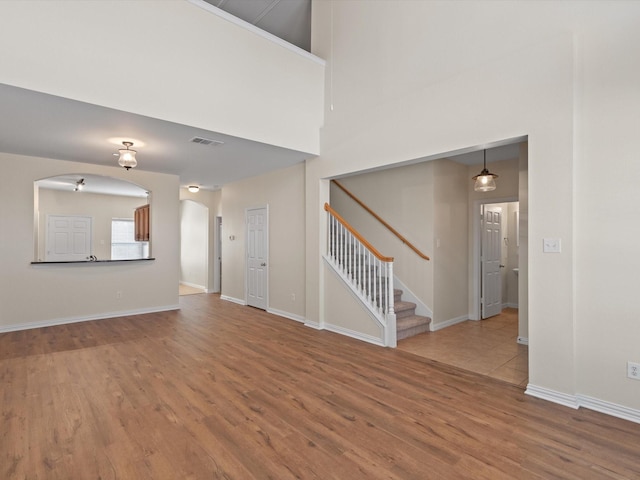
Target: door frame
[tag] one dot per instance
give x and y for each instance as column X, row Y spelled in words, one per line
column 246, row 253
column 475, row 292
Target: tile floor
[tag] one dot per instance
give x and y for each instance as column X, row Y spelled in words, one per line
column 187, row 290
column 487, row 347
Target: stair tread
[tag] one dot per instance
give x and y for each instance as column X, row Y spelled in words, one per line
column 402, row 305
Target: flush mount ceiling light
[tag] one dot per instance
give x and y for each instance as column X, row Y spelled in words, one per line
column 485, row 180
column 127, row 158
column 194, row 188
column 79, row 185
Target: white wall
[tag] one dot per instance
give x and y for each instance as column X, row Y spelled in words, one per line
column 208, row 72
column 35, row 295
column 411, row 80
column 283, row 192
column 194, row 244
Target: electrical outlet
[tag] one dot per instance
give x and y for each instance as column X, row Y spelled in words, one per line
column 293, row 297
column 119, row 294
column 633, row 370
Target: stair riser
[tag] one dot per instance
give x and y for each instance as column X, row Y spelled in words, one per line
column 410, row 332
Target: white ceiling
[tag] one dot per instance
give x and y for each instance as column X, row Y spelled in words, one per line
column 42, row 125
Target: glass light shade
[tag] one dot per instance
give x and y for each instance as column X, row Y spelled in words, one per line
column 485, row 181
column 194, row 188
column 127, row 158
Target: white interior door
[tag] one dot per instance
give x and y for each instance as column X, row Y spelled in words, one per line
column 257, row 257
column 491, row 256
column 68, row 238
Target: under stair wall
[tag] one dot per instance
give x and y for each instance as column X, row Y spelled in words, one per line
column 344, row 313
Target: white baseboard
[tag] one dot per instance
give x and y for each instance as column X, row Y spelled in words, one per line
column 510, row 305
column 609, row 408
column 552, row 396
column 232, row 299
column 86, row 318
column 314, row 325
column 193, row 285
column 447, row 323
column 523, row 340
column 290, row 316
column 585, row 401
column 353, row 334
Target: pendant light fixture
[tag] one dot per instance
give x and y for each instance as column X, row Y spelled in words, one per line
column 485, row 180
column 127, row 157
column 79, row 185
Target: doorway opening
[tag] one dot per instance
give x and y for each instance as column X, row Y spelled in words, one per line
column 194, row 248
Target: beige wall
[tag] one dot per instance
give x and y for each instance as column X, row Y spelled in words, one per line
column 102, row 208
column 32, row 295
column 451, row 185
column 189, row 66
column 283, row 192
column 556, row 72
column 404, row 198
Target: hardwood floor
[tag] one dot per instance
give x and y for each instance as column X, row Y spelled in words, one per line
column 488, row 347
column 218, row 390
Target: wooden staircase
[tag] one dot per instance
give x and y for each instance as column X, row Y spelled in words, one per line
column 369, row 274
column 408, row 323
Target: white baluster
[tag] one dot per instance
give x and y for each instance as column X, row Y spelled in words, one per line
column 391, row 308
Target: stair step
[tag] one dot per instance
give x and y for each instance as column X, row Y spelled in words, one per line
column 404, row 309
column 412, row 325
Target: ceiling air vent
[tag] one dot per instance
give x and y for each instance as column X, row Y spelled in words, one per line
column 206, row 141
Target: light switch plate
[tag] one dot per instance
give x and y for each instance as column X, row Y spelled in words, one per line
column 551, row 245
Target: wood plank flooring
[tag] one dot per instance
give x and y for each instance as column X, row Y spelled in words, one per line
column 221, row 391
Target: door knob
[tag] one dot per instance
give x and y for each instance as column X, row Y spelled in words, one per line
column 263, row 264
column 501, row 266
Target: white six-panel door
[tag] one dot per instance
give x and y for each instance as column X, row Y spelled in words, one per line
column 491, row 255
column 257, row 257
column 68, row 238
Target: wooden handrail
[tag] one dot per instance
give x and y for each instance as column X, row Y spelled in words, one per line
column 354, row 232
column 377, row 217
